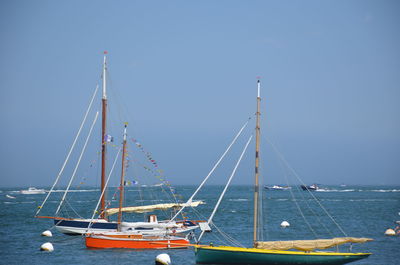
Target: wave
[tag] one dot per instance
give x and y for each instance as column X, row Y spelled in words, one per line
column 76, row 190
column 357, row 190
column 386, row 190
column 238, row 200
column 333, row 190
column 371, row 200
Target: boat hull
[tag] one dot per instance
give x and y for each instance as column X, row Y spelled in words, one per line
column 98, row 241
column 235, row 255
column 80, row 226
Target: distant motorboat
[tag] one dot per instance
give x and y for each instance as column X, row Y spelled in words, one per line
column 10, row 197
column 277, row 187
column 33, row 190
column 310, row 187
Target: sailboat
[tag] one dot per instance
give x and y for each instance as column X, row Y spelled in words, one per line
column 274, row 252
column 131, row 239
column 79, row 226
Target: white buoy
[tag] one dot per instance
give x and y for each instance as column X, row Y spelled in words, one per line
column 285, row 224
column 47, row 233
column 390, row 232
column 47, row 247
column 163, row 259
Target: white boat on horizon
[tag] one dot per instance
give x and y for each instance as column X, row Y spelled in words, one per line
column 277, row 187
column 33, row 190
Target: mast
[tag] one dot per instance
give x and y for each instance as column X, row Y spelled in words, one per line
column 121, row 188
column 256, row 186
column 103, row 141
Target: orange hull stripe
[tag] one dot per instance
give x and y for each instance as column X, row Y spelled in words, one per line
column 138, row 244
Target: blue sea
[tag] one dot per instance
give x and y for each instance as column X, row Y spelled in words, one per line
column 360, row 211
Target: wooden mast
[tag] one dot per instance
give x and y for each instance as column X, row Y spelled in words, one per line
column 256, row 186
column 103, row 141
column 121, row 187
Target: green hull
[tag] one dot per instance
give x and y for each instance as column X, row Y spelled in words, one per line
column 231, row 255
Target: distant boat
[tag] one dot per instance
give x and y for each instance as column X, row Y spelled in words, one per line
column 310, row 187
column 33, row 190
column 10, row 197
column 277, row 187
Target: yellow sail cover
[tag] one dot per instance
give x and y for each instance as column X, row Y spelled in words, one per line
column 153, row 207
column 309, row 245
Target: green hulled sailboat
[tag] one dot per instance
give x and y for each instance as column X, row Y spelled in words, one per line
column 275, row 252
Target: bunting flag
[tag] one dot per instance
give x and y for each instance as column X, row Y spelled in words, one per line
column 147, row 154
column 158, row 173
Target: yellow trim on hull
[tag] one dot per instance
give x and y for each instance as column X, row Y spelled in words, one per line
column 286, row 252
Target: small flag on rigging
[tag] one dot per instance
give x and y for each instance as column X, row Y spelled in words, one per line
column 108, row 138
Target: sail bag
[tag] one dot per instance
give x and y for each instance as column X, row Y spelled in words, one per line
column 150, row 208
column 309, row 245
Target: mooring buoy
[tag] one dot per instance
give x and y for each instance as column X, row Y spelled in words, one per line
column 163, row 259
column 47, row 247
column 47, row 233
column 390, row 232
column 285, row 224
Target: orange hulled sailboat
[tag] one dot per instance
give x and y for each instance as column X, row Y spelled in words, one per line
column 131, row 238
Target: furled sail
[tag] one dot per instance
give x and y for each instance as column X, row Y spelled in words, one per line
column 309, row 245
column 153, row 207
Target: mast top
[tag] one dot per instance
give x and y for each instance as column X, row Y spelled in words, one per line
column 126, row 125
column 104, row 75
column 258, row 87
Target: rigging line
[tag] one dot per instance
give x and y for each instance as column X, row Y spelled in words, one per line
column 294, row 199
column 299, row 179
column 77, row 214
column 292, row 194
column 70, row 150
column 285, row 173
column 302, row 215
column 228, row 237
column 310, row 208
column 102, row 193
column 115, row 94
column 225, row 235
column 213, row 169
column 79, row 161
column 227, row 185
column 83, row 178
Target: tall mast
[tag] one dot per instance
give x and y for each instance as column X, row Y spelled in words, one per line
column 103, row 140
column 121, row 188
column 256, row 187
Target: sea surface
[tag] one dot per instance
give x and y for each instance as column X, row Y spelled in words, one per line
column 360, row 211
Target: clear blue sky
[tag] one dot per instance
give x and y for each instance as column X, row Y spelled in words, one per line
column 186, row 71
